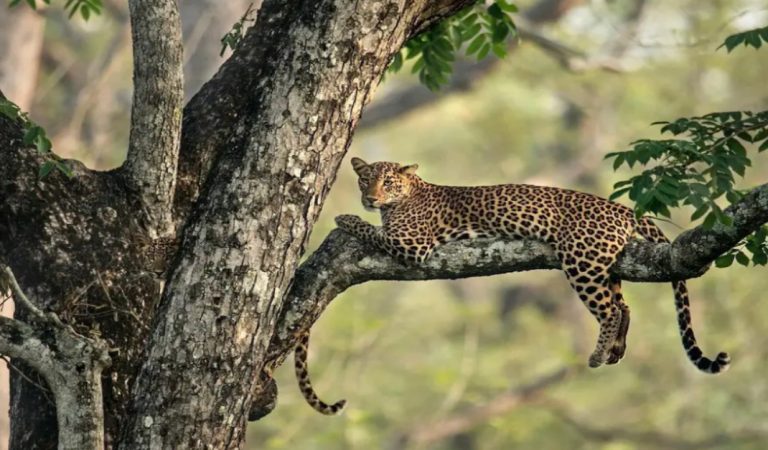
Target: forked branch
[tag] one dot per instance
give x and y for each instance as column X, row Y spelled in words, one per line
column 71, row 364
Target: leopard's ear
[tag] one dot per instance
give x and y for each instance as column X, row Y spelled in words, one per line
column 359, row 165
column 409, row 169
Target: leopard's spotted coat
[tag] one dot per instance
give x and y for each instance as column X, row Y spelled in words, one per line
column 586, row 231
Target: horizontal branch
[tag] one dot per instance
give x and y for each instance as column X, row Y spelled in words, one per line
column 342, row 261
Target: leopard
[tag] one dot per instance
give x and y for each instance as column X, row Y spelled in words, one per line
column 587, row 233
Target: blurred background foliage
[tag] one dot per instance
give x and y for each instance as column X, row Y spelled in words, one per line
column 485, row 363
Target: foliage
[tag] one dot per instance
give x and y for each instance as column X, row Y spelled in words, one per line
column 483, row 29
column 85, row 7
column 755, row 244
column 35, row 135
column 696, row 170
column 752, row 38
column 699, row 166
column 235, row 35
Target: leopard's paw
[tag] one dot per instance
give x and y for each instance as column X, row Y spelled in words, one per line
column 617, row 351
column 348, row 222
column 597, row 359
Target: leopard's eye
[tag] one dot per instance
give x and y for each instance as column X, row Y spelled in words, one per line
column 388, row 183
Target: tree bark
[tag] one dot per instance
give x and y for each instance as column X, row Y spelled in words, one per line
column 77, row 250
column 153, row 146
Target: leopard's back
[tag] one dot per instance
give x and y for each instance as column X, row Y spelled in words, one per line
column 447, row 213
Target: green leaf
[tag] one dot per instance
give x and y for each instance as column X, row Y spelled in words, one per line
column 618, row 161
column 760, row 258
column 732, row 42
column 500, row 33
column 748, row 38
column 31, row 135
column 700, row 212
column 709, row 221
column 46, row 168
column 43, row 144
column 500, row 50
column 760, row 235
column 495, row 11
column 510, row 7
column 476, row 44
column 85, row 11
column 397, row 63
column 483, row 51
column 471, row 32
column 618, row 193
column 742, row 259
column 9, row 109
column 733, row 196
column 753, row 39
column 418, row 65
column 64, row 169
column 724, row 260
column 735, row 146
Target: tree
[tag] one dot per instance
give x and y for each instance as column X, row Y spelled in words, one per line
column 186, row 259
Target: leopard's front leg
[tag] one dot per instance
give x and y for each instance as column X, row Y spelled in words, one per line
column 401, row 247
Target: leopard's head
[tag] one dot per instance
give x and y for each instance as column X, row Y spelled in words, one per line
column 384, row 184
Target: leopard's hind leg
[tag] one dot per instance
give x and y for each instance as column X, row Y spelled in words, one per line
column 591, row 281
column 620, row 344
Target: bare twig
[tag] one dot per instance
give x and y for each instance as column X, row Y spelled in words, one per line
column 20, row 298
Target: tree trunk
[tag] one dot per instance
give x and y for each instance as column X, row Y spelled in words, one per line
column 318, row 67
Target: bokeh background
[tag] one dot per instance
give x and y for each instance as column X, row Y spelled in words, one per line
column 483, row 363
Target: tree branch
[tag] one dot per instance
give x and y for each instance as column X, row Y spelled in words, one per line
column 341, row 261
column 158, row 94
column 71, row 364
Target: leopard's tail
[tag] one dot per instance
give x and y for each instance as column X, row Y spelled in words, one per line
column 651, row 232
column 302, row 375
